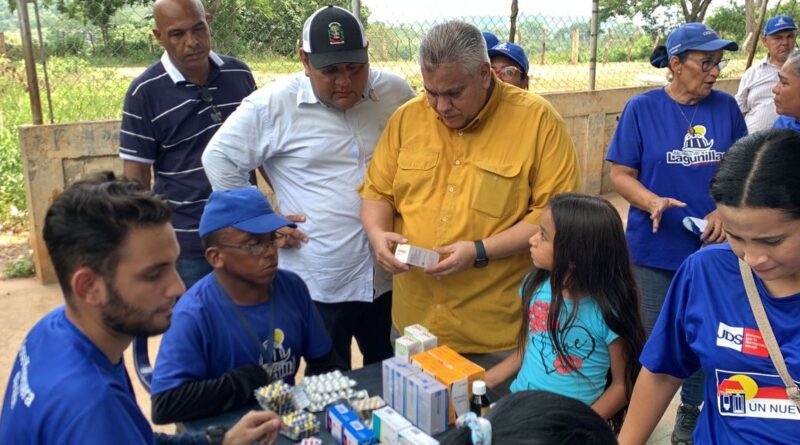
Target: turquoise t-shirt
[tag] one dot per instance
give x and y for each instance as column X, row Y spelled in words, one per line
column 586, row 343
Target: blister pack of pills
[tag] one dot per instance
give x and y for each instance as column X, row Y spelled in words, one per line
column 276, row 397
column 365, row 406
column 323, row 389
column 299, row 425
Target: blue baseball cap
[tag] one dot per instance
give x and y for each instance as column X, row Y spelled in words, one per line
column 779, row 23
column 690, row 37
column 491, row 39
column 243, row 208
column 513, row 52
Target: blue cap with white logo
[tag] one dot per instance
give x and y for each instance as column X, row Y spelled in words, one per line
column 491, row 39
column 690, row 37
column 513, row 52
column 779, row 23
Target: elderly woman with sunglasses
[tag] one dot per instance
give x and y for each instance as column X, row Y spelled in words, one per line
column 664, row 153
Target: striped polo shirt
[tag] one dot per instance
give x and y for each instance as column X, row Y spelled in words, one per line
column 166, row 123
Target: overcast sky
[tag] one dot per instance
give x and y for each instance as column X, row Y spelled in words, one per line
column 395, row 11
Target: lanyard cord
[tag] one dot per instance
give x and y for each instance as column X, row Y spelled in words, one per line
column 265, row 353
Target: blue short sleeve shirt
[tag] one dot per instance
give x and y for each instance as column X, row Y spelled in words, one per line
column 207, row 338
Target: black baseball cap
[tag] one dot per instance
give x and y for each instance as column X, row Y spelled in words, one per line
column 334, row 35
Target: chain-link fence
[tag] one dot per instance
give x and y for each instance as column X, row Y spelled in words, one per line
column 92, row 53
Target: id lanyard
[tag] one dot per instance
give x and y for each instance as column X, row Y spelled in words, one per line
column 266, row 354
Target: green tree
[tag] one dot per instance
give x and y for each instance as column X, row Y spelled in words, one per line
column 690, row 10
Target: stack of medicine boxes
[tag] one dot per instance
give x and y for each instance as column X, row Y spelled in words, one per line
column 434, row 398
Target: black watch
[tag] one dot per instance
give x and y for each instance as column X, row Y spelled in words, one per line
column 481, row 259
column 216, row 434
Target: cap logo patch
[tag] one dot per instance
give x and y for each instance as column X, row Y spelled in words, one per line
column 781, row 21
column 335, row 33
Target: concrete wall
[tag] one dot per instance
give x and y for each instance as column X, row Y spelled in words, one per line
column 56, row 155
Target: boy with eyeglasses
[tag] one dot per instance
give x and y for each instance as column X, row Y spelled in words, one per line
column 242, row 326
column 510, row 64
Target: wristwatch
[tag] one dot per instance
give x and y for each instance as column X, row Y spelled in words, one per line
column 216, row 434
column 481, row 260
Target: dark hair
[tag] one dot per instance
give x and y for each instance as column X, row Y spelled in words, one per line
column 761, row 171
column 590, row 258
column 540, row 417
column 659, row 58
column 89, row 221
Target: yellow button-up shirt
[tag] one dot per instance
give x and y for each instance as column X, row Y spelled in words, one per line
column 449, row 185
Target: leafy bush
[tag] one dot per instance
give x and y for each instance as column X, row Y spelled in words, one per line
column 21, row 267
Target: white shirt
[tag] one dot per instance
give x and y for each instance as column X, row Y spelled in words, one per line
column 755, row 96
column 316, row 158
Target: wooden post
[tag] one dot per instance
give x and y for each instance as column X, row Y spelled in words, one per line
column 3, row 50
column 757, row 33
column 544, row 47
column 30, row 62
column 575, row 48
column 633, row 43
column 606, row 47
column 513, row 28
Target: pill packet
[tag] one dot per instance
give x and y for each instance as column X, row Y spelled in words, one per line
column 365, row 406
column 299, row 425
column 276, row 397
column 323, row 389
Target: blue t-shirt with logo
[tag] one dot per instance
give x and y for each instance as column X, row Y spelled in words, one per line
column 207, row 338
column 706, row 321
column 64, row 390
column 787, row 122
column 586, row 342
column 653, row 137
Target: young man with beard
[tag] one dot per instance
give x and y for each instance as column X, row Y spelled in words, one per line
column 114, row 252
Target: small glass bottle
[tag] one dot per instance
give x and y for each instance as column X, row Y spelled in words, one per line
column 480, row 401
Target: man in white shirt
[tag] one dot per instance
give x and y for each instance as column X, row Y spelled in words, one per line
column 314, row 134
column 755, row 97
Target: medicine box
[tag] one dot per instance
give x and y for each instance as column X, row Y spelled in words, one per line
column 356, row 433
column 387, row 424
column 455, row 381
column 413, row 436
column 419, row 333
column 336, row 416
column 416, row 256
column 345, row 426
column 399, row 386
column 389, row 365
column 427, row 403
column 405, row 347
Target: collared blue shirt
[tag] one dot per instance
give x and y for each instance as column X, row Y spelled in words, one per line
column 166, row 123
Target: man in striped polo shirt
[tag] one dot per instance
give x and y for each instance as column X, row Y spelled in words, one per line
column 172, row 110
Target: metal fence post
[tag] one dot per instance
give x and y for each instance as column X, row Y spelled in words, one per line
column 30, row 62
column 593, row 45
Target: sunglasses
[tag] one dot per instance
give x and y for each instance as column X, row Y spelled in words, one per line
column 708, row 65
column 508, row 73
column 206, row 96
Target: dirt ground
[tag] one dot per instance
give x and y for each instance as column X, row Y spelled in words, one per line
column 12, row 247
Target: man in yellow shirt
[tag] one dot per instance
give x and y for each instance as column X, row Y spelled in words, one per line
column 467, row 169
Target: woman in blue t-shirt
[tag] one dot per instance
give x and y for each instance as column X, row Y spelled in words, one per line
column 665, row 150
column 787, row 94
column 707, row 321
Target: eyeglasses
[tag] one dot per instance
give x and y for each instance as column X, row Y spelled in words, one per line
column 708, row 65
column 257, row 249
column 206, row 96
column 508, row 73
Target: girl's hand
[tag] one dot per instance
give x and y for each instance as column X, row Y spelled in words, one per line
column 660, row 205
